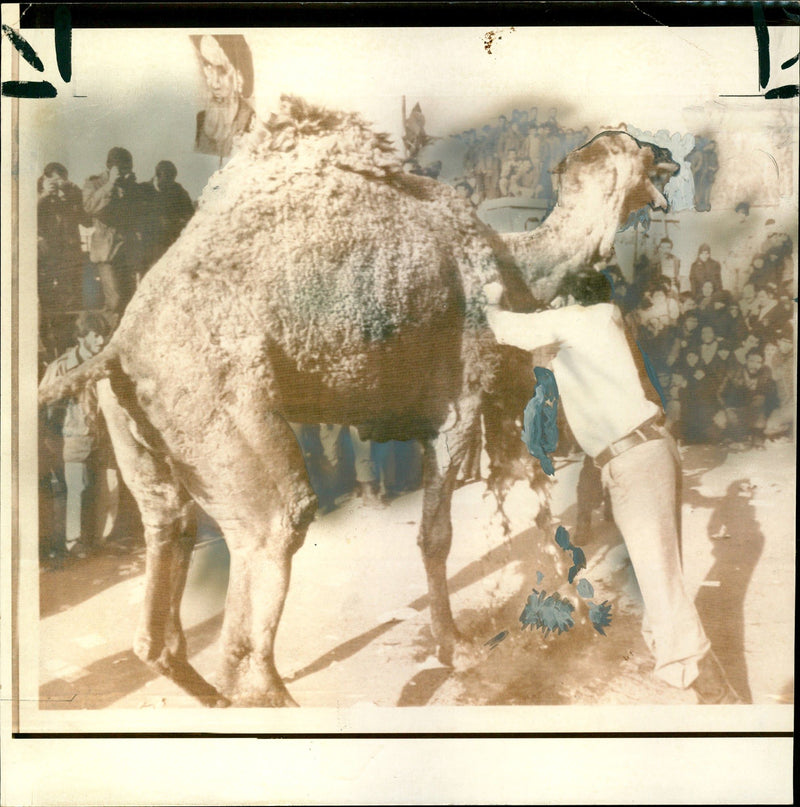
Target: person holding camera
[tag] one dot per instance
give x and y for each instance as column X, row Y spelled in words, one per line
column 112, row 199
column 59, row 213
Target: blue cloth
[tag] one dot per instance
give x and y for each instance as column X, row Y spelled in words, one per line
column 540, row 419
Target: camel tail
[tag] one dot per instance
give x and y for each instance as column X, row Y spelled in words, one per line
column 71, row 384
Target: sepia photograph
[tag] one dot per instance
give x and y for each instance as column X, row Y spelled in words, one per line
column 402, row 382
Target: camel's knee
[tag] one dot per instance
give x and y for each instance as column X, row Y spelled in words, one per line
column 301, row 509
column 434, row 540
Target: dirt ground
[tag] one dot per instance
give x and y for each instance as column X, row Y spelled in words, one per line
column 355, row 627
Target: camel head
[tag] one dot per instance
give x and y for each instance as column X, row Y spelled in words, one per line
column 602, row 183
column 623, row 173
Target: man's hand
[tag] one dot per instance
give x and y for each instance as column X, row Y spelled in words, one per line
column 493, row 292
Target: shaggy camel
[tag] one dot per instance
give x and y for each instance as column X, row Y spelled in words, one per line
column 319, row 283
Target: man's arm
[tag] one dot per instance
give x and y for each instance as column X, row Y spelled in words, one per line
column 526, row 331
column 97, row 194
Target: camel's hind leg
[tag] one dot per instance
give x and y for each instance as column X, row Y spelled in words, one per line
column 264, row 508
column 160, row 640
column 442, row 459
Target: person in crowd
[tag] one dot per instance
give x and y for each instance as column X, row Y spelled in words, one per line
column 761, row 273
column 739, row 353
column 84, row 445
column 697, row 424
column 748, row 396
column 747, row 300
column 112, row 199
column 489, row 168
column 736, row 271
column 466, row 192
column 510, row 174
column 686, row 302
column 662, row 307
column 510, row 139
column 60, row 260
column 714, row 309
column 705, row 268
column 227, row 66
column 322, row 458
column 686, row 338
column 667, row 263
column 780, row 422
column 778, row 247
column 619, row 426
column 767, row 315
column 731, row 326
column 166, row 209
column 704, row 164
column 532, row 149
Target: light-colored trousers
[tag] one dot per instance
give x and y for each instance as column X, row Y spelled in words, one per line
column 80, row 479
column 362, row 451
column 643, row 484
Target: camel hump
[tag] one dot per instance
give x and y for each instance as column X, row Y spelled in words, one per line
column 72, row 383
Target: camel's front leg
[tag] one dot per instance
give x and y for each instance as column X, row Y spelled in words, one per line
column 264, row 510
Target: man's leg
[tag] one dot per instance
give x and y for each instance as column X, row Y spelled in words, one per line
column 77, row 478
column 366, row 473
column 110, row 286
column 642, row 483
column 589, row 496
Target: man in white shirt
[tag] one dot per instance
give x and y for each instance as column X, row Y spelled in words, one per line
column 605, row 404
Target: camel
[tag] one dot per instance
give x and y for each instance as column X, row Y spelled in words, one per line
column 317, row 282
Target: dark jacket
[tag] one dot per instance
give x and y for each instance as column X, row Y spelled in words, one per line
column 164, row 213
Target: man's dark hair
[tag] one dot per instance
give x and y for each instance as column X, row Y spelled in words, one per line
column 119, row 157
column 166, row 170
column 87, row 322
column 754, row 351
column 55, row 168
column 586, row 286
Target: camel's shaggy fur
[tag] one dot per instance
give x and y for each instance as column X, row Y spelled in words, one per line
column 317, row 282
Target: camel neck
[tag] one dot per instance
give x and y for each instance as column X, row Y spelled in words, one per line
column 568, row 240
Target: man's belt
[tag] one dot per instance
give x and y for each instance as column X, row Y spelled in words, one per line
column 651, row 429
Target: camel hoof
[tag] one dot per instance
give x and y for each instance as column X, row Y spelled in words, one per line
column 244, row 687
column 466, row 655
column 458, row 653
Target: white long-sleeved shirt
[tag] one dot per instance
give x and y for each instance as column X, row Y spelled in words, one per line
column 597, row 377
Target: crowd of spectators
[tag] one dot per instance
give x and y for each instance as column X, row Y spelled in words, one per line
column 719, row 342
column 515, row 156
column 96, row 243
column 94, row 246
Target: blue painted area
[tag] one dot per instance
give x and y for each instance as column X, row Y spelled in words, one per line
column 539, row 578
column 495, row 640
column 653, row 376
column 578, row 556
column 547, row 612
column 585, row 588
column 540, row 419
column 600, row 616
